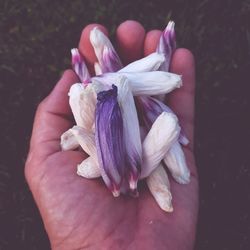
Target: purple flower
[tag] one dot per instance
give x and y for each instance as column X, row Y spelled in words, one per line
column 167, row 45
column 80, row 67
column 150, row 108
column 108, row 59
column 109, row 139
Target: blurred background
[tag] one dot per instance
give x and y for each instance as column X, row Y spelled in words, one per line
column 35, row 41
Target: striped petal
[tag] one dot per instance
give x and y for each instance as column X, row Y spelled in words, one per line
column 108, row 59
column 150, row 108
column 131, row 133
column 80, row 66
column 109, row 139
column 167, row 45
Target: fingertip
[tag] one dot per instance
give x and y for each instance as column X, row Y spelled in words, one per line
column 85, row 45
column 151, row 41
column 130, row 37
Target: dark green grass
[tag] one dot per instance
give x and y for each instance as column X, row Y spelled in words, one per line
column 35, row 41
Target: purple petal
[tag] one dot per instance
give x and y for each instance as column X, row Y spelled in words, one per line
column 80, row 67
column 110, row 60
column 109, row 139
column 150, row 108
column 167, row 45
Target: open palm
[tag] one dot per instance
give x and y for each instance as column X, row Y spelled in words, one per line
column 80, row 213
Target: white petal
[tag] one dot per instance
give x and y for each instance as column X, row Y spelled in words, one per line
column 68, row 141
column 147, row 83
column 159, row 187
column 82, row 100
column 130, row 125
column 167, row 45
column 104, row 50
column 151, row 62
column 98, row 41
column 163, row 133
column 89, row 169
column 86, row 141
column 176, row 163
column 98, row 70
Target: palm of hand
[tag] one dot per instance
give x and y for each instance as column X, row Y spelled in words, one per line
column 80, row 213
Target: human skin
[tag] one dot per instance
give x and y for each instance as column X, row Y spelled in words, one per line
column 82, row 214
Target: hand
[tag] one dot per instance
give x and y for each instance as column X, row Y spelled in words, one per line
column 80, row 213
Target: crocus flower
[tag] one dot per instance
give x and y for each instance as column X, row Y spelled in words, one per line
column 109, row 139
column 79, row 66
column 175, row 160
column 159, row 186
column 145, row 83
column 167, row 45
column 89, row 168
column 162, row 135
column 82, row 100
column 131, row 133
column 107, row 57
column 149, row 63
column 176, row 163
column 150, row 108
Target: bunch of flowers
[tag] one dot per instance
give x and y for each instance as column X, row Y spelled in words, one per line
column 121, row 122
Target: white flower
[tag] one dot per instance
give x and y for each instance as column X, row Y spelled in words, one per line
column 105, row 52
column 131, row 132
column 89, row 169
column 176, row 163
column 159, row 187
column 151, row 62
column 162, row 135
column 145, row 83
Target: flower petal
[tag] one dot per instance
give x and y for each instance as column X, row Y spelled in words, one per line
column 176, row 163
column 89, row 169
column 163, row 133
column 82, row 100
column 159, row 187
column 151, row 62
column 86, row 140
column 167, row 45
column 109, row 139
column 147, row 83
column 131, row 132
column 68, row 141
column 107, row 57
column 98, row 70
column 79, row 66
column 150, row 108
column 111, row 60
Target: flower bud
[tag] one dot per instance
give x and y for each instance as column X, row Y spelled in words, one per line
column 79, row 66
